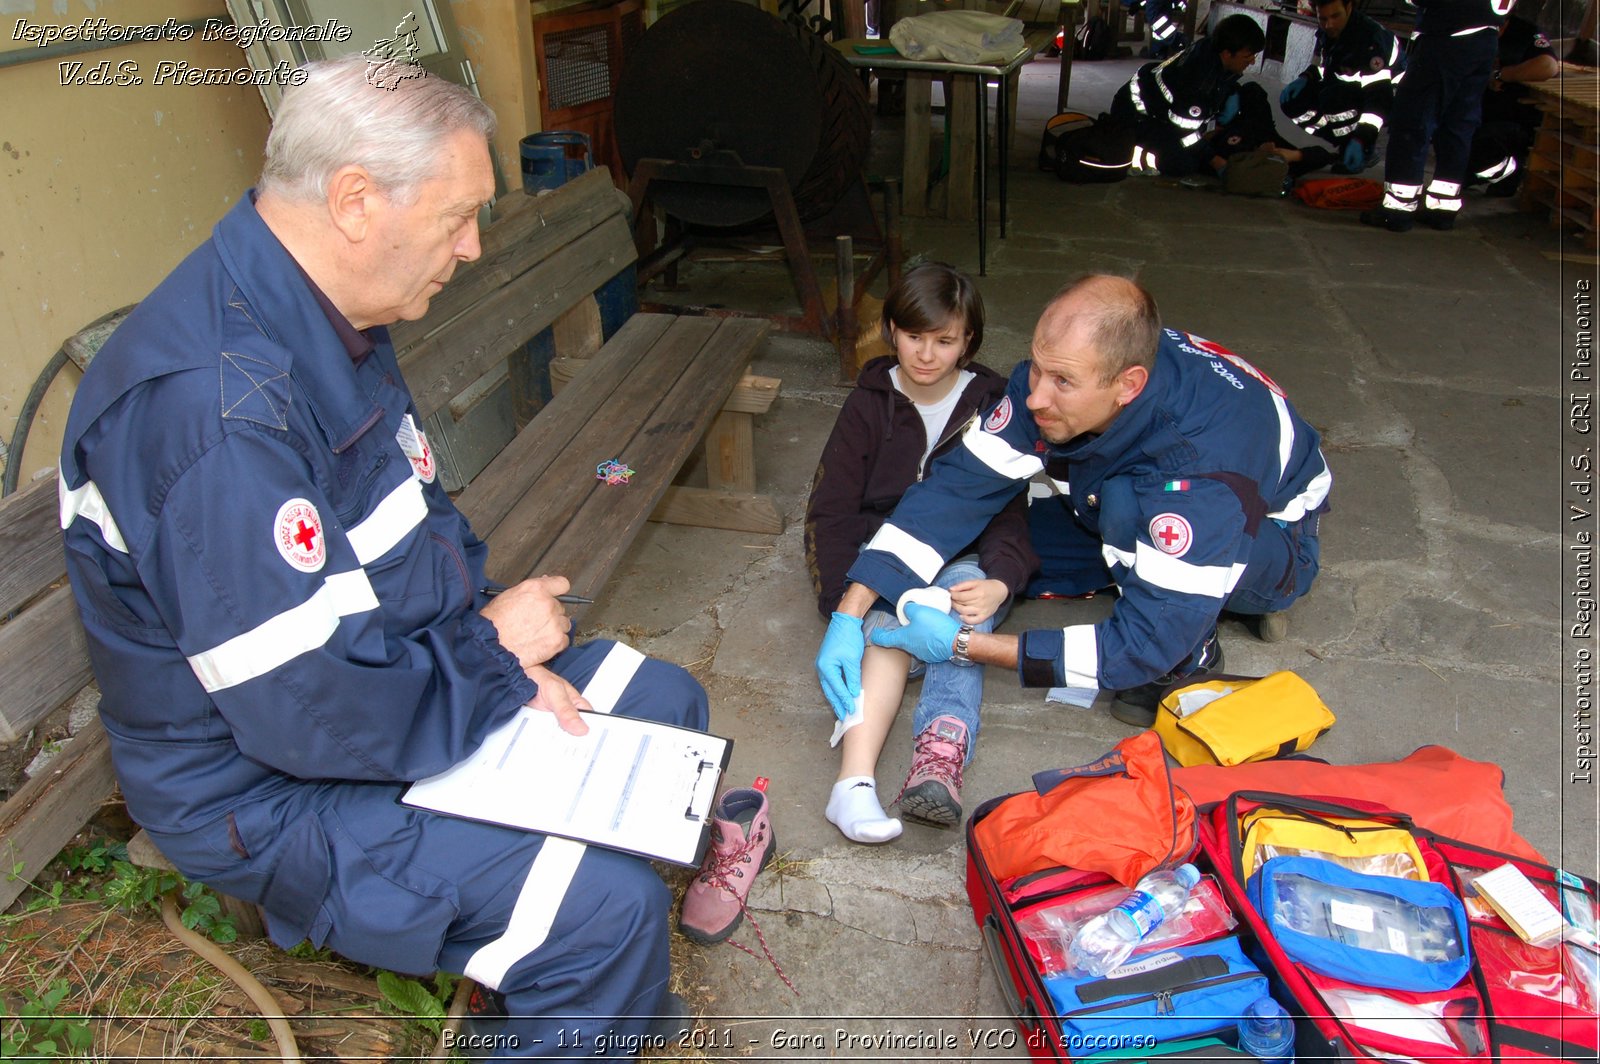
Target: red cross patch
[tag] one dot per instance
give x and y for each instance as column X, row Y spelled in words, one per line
column 999, row 417
column 422, row 464
column 298, row 536
column 1171, row 534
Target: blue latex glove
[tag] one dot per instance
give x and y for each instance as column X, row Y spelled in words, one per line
column 1230, row 110
column 839, row 663
column 1355, row 156
column 1291, row 90
column 930, row 636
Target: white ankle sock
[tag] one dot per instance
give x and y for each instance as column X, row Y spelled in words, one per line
column 854, row 809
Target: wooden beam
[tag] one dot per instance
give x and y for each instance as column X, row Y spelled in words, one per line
column 705, row 508
column 48, row 810
column 44, row 660
column 30, row 542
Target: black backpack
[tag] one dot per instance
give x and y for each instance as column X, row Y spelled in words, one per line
column 1086, row 150
column 1094, row 40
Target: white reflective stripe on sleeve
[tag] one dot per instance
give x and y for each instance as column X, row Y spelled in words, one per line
column 1116, row 556
column 1191, row 140
column 1373, row 120
column 285, row 637
column 1309, row 499
column 556, row 863
column 1285, row 434
column 1374, row 77
column 999, row 455
column 88, row 503
column 390, row 521
column 1080, row 655
column 1468, row 33
column 1353, row 78
column 917, row 555
column 1174, row 574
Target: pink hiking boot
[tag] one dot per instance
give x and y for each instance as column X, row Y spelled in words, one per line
column 932, row 792
column 741, row 845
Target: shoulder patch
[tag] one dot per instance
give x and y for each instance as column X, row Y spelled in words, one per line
column 999, row 417
column 1171, row 534
column 297, row 533
column 253, row 389
column 1376, row 63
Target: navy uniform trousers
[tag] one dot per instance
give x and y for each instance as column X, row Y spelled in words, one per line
column 574, row 937
column 1439, row 101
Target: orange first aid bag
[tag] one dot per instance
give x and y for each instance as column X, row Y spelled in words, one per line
column 1120, row 814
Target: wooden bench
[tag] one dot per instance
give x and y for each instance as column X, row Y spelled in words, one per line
column 646, row 395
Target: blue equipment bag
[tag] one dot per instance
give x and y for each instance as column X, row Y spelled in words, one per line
column 1179, row 993
column 1372, row 930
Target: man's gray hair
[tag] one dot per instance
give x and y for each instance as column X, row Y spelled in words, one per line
column 1119, row 317
column 337, row 117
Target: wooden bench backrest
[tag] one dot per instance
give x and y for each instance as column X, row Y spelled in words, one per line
column 541, row 258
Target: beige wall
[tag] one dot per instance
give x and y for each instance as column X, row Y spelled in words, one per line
column 104, row 188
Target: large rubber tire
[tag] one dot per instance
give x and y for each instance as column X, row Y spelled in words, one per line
column 726, row 75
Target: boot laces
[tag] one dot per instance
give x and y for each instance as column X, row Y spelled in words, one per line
column 933, row 758
column 732, row 864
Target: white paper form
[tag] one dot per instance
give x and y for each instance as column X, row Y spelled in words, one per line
column 629, row 784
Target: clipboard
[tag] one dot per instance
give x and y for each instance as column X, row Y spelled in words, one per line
column 632, row 785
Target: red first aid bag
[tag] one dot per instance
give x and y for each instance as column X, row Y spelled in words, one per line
column 1340, row 193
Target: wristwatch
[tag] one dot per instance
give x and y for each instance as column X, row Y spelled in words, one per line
column 963, row 637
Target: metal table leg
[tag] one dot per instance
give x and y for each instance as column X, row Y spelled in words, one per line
column 983, row 175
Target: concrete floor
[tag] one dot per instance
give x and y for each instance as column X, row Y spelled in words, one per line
column 1434, row 366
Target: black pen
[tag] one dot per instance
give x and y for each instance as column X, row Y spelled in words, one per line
column 570, row 600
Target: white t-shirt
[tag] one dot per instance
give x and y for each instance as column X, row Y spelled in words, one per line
column 934, row 415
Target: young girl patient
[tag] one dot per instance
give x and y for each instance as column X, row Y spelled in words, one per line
column 905, row 412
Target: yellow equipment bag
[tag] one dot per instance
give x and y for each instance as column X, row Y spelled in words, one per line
column 1231, row 720
column 1373, row 847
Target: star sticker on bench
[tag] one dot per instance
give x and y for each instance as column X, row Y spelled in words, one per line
column 612, row 471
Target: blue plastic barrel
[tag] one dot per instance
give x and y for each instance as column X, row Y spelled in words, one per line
column 554, row 157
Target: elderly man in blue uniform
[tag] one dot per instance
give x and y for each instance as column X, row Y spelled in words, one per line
column 1438, row 102
column 1202, row 483
column 1345, row 98
column 1165, row 107
column 287, row 614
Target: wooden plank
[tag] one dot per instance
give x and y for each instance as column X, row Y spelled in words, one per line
column 30, row 542
column 443, row 364
column 919, row 132
column 603, row 528
column 44, row 661
column 532, row 228
column 494, row 491
column 752, row 395
column 967, row 94
column 567, row 481
column 48, row 810
column 705, row 508
column 731, row 453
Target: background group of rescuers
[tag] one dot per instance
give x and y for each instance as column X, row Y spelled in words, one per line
column 1457, row 88
column 289, row 618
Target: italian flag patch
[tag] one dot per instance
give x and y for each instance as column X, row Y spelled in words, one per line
column 1176, row 485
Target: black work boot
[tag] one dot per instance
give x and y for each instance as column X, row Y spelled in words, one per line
column 1137, row 705
column 1384, row 218
column 1441, row 220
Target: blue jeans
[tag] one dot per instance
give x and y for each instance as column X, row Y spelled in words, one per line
column 949, row 688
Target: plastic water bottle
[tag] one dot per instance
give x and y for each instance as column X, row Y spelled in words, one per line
column 1266, row 1032
column 1108, row 939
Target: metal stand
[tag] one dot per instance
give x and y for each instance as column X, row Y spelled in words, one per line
column 848, row 220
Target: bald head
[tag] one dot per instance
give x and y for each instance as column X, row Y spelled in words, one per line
column 1112, row 316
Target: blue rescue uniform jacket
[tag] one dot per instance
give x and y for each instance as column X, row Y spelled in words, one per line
column 1178, row 490
column 276, row 594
